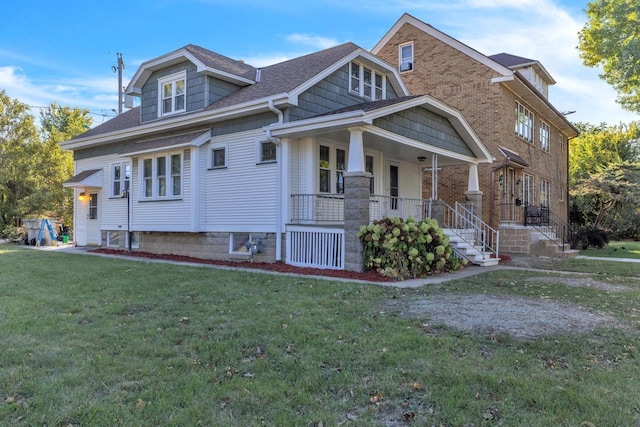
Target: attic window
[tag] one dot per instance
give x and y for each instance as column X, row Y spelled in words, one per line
column 405, row 57
column 366, row 82
column 172, row 93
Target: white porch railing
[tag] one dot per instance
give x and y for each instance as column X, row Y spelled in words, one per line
column 462, row 222
column 314, row 246
column 329, row 208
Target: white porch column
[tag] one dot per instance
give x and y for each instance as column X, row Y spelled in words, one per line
column 356, row 150
column 474, row 182
column 473, row 193
column 434, row 176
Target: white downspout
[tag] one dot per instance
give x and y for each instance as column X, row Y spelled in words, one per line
column 279, row 168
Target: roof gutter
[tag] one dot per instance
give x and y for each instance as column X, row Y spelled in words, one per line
column 279, row 179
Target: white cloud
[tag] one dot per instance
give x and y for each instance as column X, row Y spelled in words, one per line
column 312, row 41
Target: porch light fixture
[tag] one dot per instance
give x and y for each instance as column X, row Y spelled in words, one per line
column 82, row 196
column 421, row 158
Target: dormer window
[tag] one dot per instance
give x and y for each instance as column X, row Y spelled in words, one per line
column 366, row 82
column 173, row 91
column 405, row 57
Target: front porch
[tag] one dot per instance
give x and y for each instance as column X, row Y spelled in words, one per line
column 316, row 231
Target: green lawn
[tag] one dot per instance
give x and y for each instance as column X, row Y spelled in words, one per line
column 93, row 341
column 617, row 249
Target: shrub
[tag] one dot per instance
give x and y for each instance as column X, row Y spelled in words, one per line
column 403, row 250
column 584, row 237
column 12, row 234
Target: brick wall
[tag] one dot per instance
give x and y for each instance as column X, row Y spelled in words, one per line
column 453, row 77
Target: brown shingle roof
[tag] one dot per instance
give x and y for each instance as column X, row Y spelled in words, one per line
column 165, row 142
column 81, row 176
column 221, row 62
column 286, row 76
column 509, row 60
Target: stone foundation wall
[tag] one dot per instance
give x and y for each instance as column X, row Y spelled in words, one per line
column 515, row 240
column 214, row 246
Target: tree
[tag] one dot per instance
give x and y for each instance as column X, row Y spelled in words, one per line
column 19, row 145
column 55, row 166
column 610, row 199
column 597, row 147
column 611, row 38
column 32, row 164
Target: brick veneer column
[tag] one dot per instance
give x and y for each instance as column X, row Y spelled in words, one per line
column 356, row 214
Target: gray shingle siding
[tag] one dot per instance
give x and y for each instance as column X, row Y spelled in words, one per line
column 424, row 126
column 218, row 89
column 202, row 90
column 244, row 123
column 103, row 150
column 332, row 93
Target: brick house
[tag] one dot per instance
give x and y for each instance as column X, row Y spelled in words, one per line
column 505, row 100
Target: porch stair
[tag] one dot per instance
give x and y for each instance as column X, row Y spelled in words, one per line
column 471, row 238
column 548, row 245
column 461, row 241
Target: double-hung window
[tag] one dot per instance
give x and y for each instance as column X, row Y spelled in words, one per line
column 545, row 192
column 545, row 135
column 524, row 122
column 405, row 57
column 161, row 176
column 528, row 193
column 172, row 92
column 120, row 178
column 333, row 163
column 365, row 82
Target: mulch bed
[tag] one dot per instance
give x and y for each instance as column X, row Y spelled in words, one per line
column 280, row 267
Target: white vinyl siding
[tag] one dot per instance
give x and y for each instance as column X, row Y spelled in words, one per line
column 243, row 196
column 169, row 213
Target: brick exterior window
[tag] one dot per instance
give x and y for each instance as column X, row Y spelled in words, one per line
column 405, row 57
column 545, row 192
column 524, row 122
column 545, row 133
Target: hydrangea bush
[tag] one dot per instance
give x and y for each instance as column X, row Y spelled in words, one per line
column 406, row 249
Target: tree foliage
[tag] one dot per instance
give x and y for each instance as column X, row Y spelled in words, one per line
column 597, row 147
column 611, row 39
column 610, row 200
column 32, row 164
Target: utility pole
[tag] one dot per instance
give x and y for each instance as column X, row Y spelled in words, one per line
column 118, row 69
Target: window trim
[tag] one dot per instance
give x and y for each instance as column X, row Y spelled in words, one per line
column 259, row 152
column 524, row 130
column 363, row 85
column 217, row 147
column 110, row 240
column 232, row 250
column 173, row 79
column 410, row 60
column 528, row 187
column 154, row 178
column 124, row 183
column 333, row 172
column 545, row 137
column 545, row 190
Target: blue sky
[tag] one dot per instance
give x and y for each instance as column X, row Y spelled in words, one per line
column 63, row 51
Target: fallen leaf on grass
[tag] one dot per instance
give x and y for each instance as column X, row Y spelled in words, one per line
column 376, row 398
column 140, row 404
column 408, row 416
column 416, row 386
column 184, row 320
column 225, row 402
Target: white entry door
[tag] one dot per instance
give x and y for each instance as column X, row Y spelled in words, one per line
column 394, row 203
column 93, row 221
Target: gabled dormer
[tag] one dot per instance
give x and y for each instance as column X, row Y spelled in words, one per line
column 530, row 69
column 188, row 79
